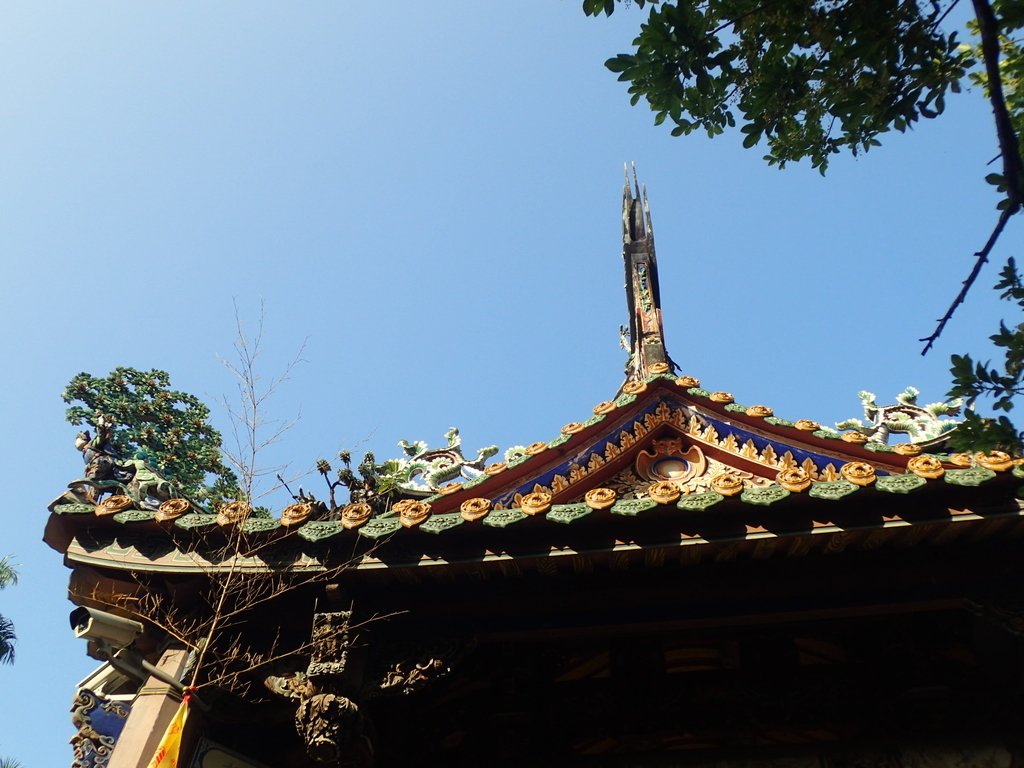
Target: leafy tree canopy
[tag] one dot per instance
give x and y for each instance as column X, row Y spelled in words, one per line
column 167, row 428
column 972, row 380
column 813, row 78
column 810, row 77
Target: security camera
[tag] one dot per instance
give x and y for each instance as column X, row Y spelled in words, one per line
column 105, row 629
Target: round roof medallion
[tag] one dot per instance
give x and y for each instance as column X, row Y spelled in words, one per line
column 687, row 381
column 664, row 492
column 855, row 437
column 410, row 512
column 806, row 425
column 997, row 461
column 907, row 449
column 172, row 509
column 114, row 504
column 536, row 502
column 962, row 460
column 727, row 485
column 296, row 514
column 354, row 515
column 794, row 479
column 474, row 509
column 600, row 498
column 760, row 411
column 858, row 472
column 634, row 387
column 604, row 407
column 233, row 512
column 723, row 398
column 927, row 467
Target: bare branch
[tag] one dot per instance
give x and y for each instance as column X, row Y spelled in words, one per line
column 981, row 258
column 1009, row 150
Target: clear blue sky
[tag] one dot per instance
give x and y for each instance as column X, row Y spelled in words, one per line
column 430, row 193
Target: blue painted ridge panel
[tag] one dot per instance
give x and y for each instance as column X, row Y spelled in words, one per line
column 724, row 428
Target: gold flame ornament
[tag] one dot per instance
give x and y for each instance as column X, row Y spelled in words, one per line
column 687, row 381
column 858, row 472
column 928, row 467
column 472, row 510
column 664, row 492
column 354, row 515
column 795, row 479
column 447, row 490
column 723, row 398
column 535, row 503
column 172, row 509
column 806, row 425
column 857, row 438
column 232, row 513
column 634, row 387
column 605, row 407
column 411, row 512
column 535, row 448
column 997, row 461
column 496, row 468
column 962, row 460
column 657, row 368
column 296, row 514
column 727, row 485
column 600, row 498
column 114, row 504
column 572, row 428
column 760, row 411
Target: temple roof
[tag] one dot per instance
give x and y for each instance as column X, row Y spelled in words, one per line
column 663, row 465
column 665, row 455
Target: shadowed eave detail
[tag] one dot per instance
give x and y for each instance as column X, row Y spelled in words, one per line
column 643, row 297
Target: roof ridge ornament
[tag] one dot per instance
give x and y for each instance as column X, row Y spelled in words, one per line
column 646, row 341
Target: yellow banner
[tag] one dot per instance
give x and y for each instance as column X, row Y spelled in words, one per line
column 167, row 753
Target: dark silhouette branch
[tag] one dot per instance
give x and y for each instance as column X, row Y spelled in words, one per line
column 982, row 257
column 1009, row 150
column 1009, row 146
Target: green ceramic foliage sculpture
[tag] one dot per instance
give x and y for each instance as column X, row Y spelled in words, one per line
column 145, row 419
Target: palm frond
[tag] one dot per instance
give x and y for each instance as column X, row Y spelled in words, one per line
column 7, row 640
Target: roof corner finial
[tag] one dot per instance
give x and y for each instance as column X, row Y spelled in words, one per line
column 643, row 296
column 647, row 214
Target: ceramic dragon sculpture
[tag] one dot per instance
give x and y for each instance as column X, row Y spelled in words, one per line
column 425, row 469
column 923, row 425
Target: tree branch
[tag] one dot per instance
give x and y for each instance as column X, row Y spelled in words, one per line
column 1009, row 150
column 982, row 257
column 1009, row 146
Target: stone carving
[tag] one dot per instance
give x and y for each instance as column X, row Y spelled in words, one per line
column 923, row 425
column 413, row 666
column 334, row 731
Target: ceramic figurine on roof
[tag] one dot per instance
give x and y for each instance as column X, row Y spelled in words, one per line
column 923, row 425
column 669, row 578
